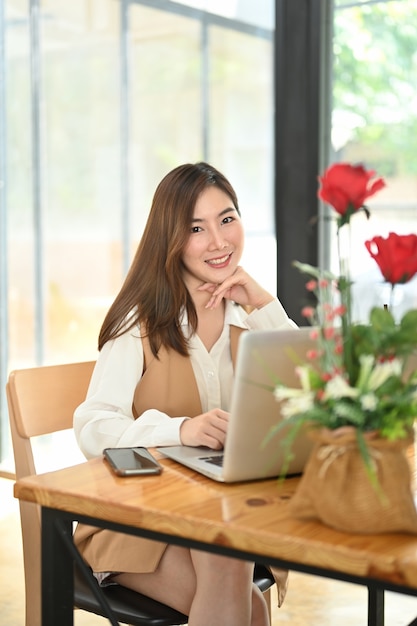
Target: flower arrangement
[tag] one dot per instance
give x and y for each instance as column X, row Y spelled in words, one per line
column 357, row 375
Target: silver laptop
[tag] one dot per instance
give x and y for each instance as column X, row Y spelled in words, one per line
column 264, row 357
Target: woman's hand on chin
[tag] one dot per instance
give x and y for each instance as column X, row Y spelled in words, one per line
column 239, row 287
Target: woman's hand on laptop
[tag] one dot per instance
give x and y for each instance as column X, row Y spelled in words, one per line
column 208, row 429
column 239, row 287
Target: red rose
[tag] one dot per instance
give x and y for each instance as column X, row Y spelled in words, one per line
column 396, row 256
column 346, row 187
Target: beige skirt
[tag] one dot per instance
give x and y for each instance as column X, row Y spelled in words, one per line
column 109, row 551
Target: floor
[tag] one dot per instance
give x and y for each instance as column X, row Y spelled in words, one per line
column 310, row 601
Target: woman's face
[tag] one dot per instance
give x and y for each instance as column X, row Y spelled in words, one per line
column 215, row 244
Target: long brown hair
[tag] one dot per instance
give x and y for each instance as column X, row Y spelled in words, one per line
column 154, row 292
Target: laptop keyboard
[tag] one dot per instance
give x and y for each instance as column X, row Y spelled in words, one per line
column 214, row 460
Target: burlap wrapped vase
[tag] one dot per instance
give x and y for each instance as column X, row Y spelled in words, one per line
column 336, row 489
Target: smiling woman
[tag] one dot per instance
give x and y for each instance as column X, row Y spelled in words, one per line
column 164, row 376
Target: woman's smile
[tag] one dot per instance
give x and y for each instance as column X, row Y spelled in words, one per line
column 219, row 262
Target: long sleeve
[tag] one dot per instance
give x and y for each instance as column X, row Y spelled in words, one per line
column 272, row 316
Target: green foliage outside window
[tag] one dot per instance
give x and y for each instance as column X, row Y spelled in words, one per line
column 374, row 89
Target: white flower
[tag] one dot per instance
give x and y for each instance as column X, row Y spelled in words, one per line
column 293, row 401
column 284, row 393
column 337, row 387
column 369, row 402
column 297, row 405
column 382, row 371
column 367, row 362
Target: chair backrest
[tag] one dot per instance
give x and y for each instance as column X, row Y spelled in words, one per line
column 41, row 401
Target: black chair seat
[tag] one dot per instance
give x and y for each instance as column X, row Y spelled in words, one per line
column 262, row 577
column 130, row 607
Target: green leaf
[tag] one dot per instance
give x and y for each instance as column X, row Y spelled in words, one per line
column 381, row 319
column 349, row 412
column 409, row 320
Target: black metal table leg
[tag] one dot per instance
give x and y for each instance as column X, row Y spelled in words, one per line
column 376, row 608
column 57, row 571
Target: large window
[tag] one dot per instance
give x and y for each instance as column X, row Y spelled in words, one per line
column 102, row 99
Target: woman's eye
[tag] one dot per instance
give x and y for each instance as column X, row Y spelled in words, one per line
column 195, row 229
column 227, row 220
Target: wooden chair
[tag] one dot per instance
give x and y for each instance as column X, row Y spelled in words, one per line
column 42, row 401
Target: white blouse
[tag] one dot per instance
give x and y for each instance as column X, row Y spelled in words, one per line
column 105, row 418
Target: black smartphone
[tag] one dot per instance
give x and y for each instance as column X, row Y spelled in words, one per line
column 132, row 461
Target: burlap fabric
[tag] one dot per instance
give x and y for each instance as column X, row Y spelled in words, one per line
column 335, row 487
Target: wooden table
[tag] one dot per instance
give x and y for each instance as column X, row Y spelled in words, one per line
column 247, row 520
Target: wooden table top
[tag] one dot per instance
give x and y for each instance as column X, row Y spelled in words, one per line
column 251, row 517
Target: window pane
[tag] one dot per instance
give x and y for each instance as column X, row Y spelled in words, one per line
column 212, row 79
column 374, row 122
column 80, row 84
column 199, row 86
column 19, row 183
column 166, row 111
column 241, row 136
column 259, row 13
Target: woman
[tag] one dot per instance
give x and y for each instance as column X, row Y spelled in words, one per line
column 164, row 377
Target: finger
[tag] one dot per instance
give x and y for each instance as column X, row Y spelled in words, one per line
column 214, row 302
column 214, row 444
column 217, row 298
column 224, row 416
column 210, row 287
column 225, row 288
column 219, row 430
column 217, row 437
